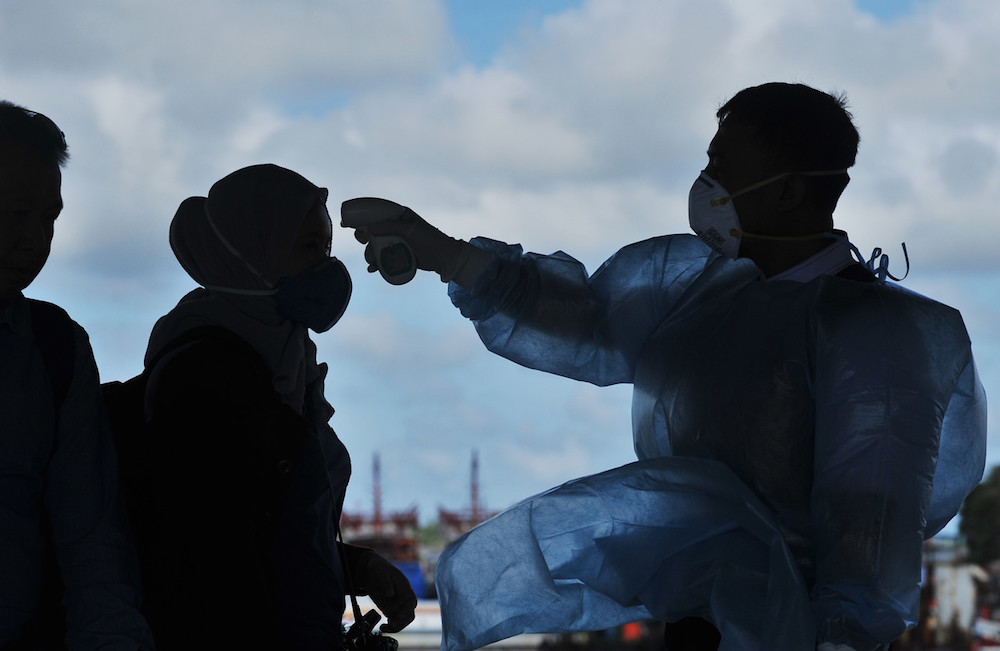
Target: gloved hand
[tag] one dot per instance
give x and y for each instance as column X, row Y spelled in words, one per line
column 433, row 250
column 389, row 588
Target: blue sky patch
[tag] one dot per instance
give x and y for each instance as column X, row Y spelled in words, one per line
column 888, row 10
column 481, row 27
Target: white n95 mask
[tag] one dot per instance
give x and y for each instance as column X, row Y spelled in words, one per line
column 712, row 216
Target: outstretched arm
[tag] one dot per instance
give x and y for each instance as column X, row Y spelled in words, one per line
column 544, row 311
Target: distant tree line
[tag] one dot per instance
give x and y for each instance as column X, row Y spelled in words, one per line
column 980, row 524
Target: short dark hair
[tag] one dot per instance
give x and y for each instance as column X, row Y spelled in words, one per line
column 33, row 130
column 810, row 129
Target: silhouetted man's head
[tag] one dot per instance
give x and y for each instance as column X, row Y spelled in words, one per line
column 800, row 129
column 32, row 151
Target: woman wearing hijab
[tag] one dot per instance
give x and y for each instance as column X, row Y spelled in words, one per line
column 246, row 479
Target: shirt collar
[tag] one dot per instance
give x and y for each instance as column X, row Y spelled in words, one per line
column 828, row 262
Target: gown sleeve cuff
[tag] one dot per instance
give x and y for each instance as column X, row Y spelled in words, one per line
column 498, row 279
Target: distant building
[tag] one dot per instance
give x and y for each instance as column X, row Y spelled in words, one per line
column 395, row 535
column 455, row 523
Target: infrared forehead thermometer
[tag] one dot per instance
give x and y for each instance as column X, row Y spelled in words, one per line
column 393, row 256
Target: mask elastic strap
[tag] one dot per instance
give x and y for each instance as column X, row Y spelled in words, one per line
column 721, row 201
column 736, row 232
column 236, row 254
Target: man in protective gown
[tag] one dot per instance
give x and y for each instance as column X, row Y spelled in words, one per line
column 801, row 424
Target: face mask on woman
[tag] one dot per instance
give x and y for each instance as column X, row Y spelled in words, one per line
column 315, row 297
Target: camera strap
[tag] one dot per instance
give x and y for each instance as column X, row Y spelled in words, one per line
column 349, row 581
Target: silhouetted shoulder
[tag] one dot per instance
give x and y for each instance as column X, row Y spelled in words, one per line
column 50, row 318
column 680, row 246
column 662, row 259
column 897, row 330
column 210, row 366
column 881, row 302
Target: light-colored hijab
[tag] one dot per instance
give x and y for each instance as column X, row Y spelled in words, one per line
column 235, row 243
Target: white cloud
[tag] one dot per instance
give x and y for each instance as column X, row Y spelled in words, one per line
column 217, row 46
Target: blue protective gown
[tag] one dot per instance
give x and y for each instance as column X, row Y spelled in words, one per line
column 797, row 442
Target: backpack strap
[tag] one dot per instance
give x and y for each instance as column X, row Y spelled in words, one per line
column 53, row 330
column 213, row 333
column 195, row 335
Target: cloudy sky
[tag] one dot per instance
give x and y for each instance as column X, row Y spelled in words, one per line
column 567, row 124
